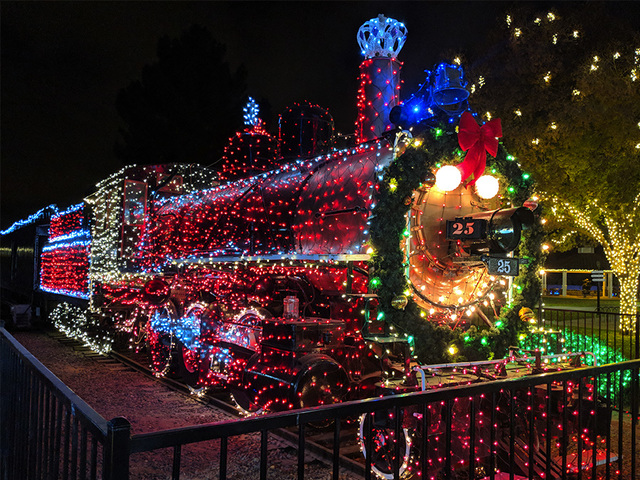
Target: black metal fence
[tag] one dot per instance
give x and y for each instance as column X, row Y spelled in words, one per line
column 553, row 425
column 48, row 432
column 612, row 336
column 565, row 424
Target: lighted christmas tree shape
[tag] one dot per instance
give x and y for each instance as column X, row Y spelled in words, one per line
column 251, row 114
column 251, row 150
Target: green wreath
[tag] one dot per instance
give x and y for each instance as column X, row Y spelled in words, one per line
column 401, row 178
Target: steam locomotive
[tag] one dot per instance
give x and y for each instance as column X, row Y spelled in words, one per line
column 258, row 280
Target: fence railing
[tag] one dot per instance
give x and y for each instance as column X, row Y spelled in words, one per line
column 48, row 432
column 612, row 336
column 577, row 423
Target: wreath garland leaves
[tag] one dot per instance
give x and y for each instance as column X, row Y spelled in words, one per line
column 393, row 197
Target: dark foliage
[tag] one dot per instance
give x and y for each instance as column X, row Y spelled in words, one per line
column 185, row 106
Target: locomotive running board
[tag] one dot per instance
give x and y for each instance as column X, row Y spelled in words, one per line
column 359, row 257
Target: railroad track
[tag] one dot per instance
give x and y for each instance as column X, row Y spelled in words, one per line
column 318, row 441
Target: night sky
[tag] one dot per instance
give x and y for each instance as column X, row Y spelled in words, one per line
column 63, row 64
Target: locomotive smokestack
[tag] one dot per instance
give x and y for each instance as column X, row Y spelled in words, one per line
column 380, row 40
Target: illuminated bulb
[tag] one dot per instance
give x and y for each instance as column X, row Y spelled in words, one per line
column 487, row 186
column 448, row 178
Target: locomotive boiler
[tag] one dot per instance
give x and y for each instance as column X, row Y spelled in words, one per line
column 259, row 280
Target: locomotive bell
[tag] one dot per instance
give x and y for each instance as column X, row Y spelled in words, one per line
column 448, row 88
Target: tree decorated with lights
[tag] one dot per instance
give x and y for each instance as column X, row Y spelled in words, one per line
column 571, row 99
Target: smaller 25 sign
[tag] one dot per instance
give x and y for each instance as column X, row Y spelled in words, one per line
column 465, row 228
column 502, row 266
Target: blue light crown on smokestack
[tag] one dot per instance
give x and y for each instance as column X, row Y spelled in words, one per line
column 381, row 37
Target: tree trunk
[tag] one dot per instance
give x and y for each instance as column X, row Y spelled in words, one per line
column 629, row 300
column 625, row 264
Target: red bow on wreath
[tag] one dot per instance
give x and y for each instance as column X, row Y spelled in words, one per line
column 476, row 140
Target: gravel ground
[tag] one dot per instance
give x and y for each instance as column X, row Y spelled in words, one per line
column 114, row 390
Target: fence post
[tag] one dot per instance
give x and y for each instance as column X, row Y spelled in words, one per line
column 637, row 330
column 8, row 386
column 116, row 449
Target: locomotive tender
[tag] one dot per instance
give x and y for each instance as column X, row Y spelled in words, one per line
column 260, row 283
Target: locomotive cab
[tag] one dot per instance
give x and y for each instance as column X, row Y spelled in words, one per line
column 123, row 203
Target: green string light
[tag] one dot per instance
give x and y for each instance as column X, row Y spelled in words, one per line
column 568, row 341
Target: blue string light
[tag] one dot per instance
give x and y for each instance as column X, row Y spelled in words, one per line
column 251, row 112
column 30, row 219
column 59, row 246
column 53, row 209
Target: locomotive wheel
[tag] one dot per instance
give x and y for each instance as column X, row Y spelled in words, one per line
column 383, row 445
column 241, row 393
column 163, row 354
column 244, row 402
column 324, row 384
column 170, row 357
column 188, row 365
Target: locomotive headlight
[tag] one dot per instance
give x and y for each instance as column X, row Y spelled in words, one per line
column 497, row 231
column 506, row 226
column 448, row 178
column 487, row 186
